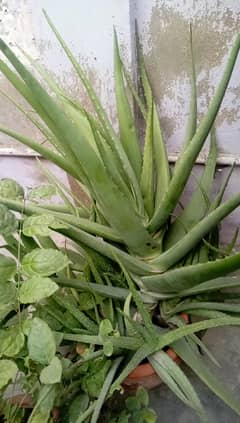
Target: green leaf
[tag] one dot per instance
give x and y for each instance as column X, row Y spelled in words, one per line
column 147, row 175
column 9, row 188
column 35, row 289
column 8, row 221
column 78, row 406
column 52, row 373
column 105, row 327
column 44, row 262
column 41, row 342
column 8, row 293
column 184, row 278
column 128, row 133
column 176, row 380
column 195, row 235
column 105, row 388
column 41, row 225
column 8, row 372
column 93, row 381
column 8, row 268
column 11, row 341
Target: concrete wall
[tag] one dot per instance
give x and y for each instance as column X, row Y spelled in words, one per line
column 164, row 30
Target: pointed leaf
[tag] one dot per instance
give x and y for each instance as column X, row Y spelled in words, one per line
column 41, row 342
column 44, row 262
column 35, row 289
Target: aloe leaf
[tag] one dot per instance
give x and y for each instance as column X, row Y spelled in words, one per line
column 106, row 291
column 195, row 235
column 131, row 263
column 105, row 389
column 188, row 157
column 125, row 342
column 174, row 377
column 212, row 285
column 194, row 360
column 147, row 176
column 184, row 278
column 159, row 148
column 217, row 200
column 197, row 207
column 125, row 220
column 115, row 141
column 70, row 220
column 192, row 120
column 167, row 339
column 44, row 151
column 190, row 306
column 128, row 132
column 143, row 352
column 36, row 122
column 134, row 92
column 85, row 321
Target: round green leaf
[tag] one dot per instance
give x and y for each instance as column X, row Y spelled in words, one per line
column 11, row 341
column 8, row 372
column 8, row 292
column 35, row 289
column 8, row 268
column 11, row 189
column 52, row 373
column 8, row 221
column 108, row 348
column 41, row 342
column 41, row 225
column 44, row 262
column 42, row 192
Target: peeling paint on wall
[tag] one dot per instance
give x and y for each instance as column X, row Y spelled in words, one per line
column 164, row 28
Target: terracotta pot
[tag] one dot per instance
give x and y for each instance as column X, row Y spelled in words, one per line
column 144, row 375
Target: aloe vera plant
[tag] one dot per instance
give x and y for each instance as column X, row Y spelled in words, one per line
column 130, row 254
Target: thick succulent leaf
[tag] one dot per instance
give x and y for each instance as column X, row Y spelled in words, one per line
column 167, row 339
column 159, row 148
column 9, row 188
column 8, row 268
column 105, row 388
column 204, row 305
column 35, row 289
column 41, row 342
column 128, row 132
column 47, row 153
column 212, row 285
column 184, row 278
column 44, row 262
column 52, row 373
column 192, row 119
column 174, row 254
column 174, row 377
column 197, row 207
column 194, row 360
column 8, row 372
column 186, row 160
column 103, row 118
column 147, row 175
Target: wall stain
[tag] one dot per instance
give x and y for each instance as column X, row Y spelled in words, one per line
column 167, row 56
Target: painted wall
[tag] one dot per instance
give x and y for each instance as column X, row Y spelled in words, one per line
column 164, row 29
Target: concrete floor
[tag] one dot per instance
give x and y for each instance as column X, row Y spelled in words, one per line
column 225, row 345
